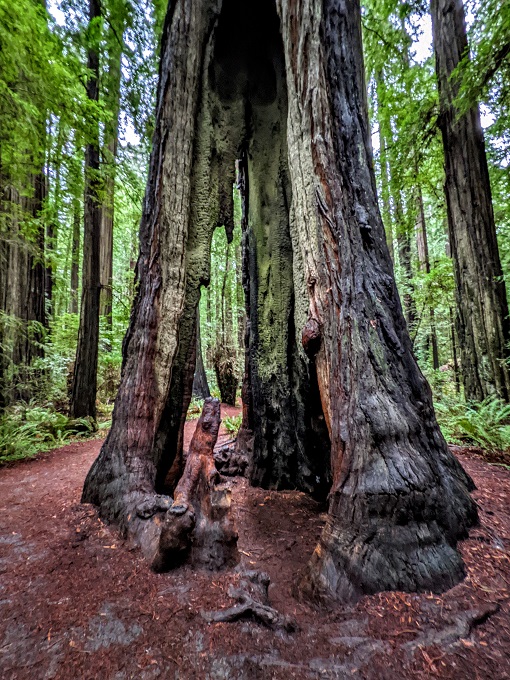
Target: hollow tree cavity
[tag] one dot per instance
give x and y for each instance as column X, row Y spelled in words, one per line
column 333, row 398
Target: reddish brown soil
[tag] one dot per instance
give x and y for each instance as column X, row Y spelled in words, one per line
column 76, row 602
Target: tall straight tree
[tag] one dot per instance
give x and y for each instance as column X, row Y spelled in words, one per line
column 115, row 47
column 422, row 245
column 83, row 397
column 23, row 190
column 483, row 326
column 280, row 85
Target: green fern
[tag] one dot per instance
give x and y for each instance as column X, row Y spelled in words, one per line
column 486, row 423
column 232, row 424
column 27, row 431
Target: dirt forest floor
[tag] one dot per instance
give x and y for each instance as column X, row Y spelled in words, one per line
column 78, row 603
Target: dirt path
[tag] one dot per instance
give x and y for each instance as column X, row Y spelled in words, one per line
column 76, row 602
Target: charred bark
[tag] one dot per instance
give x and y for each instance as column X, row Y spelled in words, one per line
column 483, row 324
column 399, row 501
column 198, row 526
column 289, row 446
column 332, row 393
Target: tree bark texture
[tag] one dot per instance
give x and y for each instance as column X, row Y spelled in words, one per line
column 333, row 397
column 83, row 398
column 483, row 326
column 197, row 526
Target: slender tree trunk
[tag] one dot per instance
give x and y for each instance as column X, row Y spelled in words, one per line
column 52, row 226
column 224, row 356
column 83, row 398
column 112, row 100
column 398, row 225
column 239, row 299
column 424, row 260
column 224, row 307
column 75, row 257
column 281, row 84
column 404, row 253
column 483, row 326
column 383, row 151
column 200, row 384
column 456, row 370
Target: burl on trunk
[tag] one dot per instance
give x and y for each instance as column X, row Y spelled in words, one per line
column 334, row 402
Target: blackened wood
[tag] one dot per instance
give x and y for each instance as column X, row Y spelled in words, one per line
column 399, row 501
column 198, row 527
column 293, row 107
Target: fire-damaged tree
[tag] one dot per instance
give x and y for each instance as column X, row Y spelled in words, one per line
column 334, row 400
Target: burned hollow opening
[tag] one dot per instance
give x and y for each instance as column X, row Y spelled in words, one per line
column 242, row 119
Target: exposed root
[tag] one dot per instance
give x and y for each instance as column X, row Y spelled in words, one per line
column 250, row 608
column 461, row 627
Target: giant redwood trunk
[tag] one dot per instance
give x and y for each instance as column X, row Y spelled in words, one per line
column 483, row 326
column 333, row 398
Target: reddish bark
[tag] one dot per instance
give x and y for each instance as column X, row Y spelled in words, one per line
column 293, row 108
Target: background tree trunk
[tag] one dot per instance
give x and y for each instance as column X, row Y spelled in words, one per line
column 83, row 398
column 200, row 384
column 483, row 326
column 75, row 257
column 383, row 150
column 22, row 289
column 424, row 260
column 111, row 140
column 318, row 276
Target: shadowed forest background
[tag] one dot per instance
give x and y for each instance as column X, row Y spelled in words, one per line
column 76, row 115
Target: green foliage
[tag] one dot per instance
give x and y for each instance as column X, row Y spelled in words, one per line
column 27, row 431
column 232, row 424
column 485, row 424
column 195, row 408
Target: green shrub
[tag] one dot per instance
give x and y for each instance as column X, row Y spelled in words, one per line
column 485, row 424
column 232, row 424
column 195, row 408
column 26, row 431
